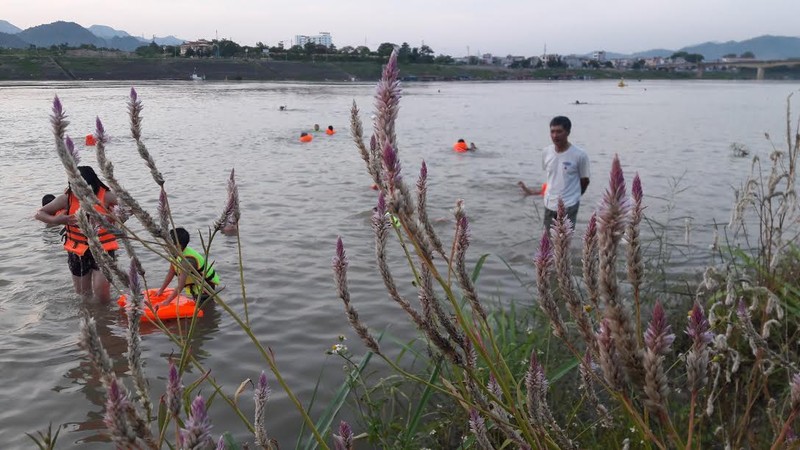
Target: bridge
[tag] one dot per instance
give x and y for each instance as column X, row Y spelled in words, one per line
column 759, row 65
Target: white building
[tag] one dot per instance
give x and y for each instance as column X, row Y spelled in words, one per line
column 323, row 38
column 599, row 55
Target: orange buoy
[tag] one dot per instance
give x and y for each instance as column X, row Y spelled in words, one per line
column 180, row 307
column 306, row 138
column 460, row 147
column 90, row 140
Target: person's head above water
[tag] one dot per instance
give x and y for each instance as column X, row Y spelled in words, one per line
column 47, row 199
column 316, row 127
column 461, row 140
column 180, row 237
column 303, row 134
column 330, row 127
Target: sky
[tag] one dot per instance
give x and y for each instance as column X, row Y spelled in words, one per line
column 452, row 27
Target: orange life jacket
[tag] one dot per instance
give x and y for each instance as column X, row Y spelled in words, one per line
column 306, row 138
column 460, row 147
column 330, row 132
column 75, row 241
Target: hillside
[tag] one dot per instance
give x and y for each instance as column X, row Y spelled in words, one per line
column 57, row 33
column 6, row 27
column 12, row 41
column 764, row 47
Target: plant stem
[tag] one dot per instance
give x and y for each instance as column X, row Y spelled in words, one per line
column 691, row 419
column 787, row 426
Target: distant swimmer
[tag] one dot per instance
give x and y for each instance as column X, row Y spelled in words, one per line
column 282, row 108
column 316, row 128
column 305, row 137
column 330, row 131
column 472, row 147
column 460, row 146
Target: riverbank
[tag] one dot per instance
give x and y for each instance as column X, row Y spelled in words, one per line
column 26, row 67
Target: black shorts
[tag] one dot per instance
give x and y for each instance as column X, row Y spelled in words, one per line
column 83, row 265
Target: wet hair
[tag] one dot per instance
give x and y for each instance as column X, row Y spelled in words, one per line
column 330, row 127
column 47, row 199
column 562, row 121
column 303, row 134
column 461, row 140
column 180, row 237
column 92, row 179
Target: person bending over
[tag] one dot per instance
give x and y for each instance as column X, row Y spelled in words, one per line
column 187, row 279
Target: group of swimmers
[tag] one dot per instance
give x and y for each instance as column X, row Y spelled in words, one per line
column 308, row 137
column 87, row 278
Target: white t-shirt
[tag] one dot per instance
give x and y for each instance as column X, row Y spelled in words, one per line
column 564, row 172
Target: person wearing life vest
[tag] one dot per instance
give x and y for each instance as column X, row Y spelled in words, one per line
column 460, row 146
column 330, row 131
column 305, row 137
column 190, row 263
column 86, row 275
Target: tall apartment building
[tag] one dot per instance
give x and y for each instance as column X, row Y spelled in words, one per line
column 323, row 38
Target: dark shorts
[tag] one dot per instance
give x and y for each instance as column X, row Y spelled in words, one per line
column 83, row 265
column 550, row 216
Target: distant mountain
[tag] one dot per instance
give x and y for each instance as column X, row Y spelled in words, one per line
column 764, row 47
column 127, row 43
column 12, row 41
column 169, row 40
column 106, row 32
column 9, row 28
column 57, row 33
column 654, row 53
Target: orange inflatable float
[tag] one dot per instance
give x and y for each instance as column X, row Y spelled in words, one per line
column 306, row 137
column 180, row 307
column 460, row 147
column 90, row 140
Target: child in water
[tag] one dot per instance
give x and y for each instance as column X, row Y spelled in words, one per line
column 186, row 280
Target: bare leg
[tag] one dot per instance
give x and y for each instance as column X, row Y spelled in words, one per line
column 83, row 285
column 101, row 287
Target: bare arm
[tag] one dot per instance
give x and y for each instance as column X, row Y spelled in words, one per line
column 47, row 213
column 167, row 280
column 528, row 191
column 584, row 185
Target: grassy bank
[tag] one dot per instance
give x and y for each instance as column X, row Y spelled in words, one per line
column 44, row 66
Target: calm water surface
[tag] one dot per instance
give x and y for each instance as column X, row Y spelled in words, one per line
column 297, row 198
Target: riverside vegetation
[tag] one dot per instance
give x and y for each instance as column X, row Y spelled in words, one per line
column 602, row 365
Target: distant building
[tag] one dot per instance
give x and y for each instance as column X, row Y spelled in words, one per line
column 201, row 46
column 599, row 56
column 323, row 38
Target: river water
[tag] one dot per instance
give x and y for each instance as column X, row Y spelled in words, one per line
column 297, row 198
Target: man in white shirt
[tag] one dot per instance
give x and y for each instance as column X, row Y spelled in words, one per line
column 567, row 169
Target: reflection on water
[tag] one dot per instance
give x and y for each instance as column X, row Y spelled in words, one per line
column 110, row 326
column 297, row 198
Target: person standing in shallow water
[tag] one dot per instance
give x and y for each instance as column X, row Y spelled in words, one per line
column 566, row 167
column 87, row 277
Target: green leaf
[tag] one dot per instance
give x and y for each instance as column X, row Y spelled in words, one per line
column 323, row 425
column 420, row 409
column 478, row 266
